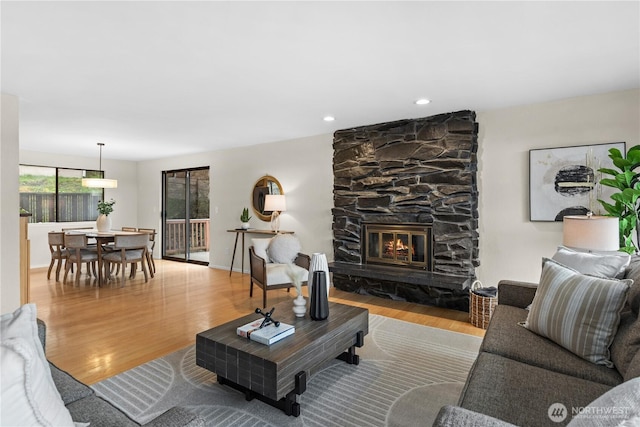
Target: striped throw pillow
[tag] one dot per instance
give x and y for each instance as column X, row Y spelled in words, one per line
column 579, row 312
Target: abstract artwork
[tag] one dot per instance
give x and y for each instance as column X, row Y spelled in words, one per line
column 562, row 181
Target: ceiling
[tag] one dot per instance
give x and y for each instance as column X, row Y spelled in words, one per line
column 158, row 79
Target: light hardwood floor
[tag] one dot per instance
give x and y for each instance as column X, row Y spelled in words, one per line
column 95, row 333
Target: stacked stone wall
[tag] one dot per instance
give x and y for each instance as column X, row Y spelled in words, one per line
column 410, row 171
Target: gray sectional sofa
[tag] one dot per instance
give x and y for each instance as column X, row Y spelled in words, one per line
column 519, row 375
column 85, row 406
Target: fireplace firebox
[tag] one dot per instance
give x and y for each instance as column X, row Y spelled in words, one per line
column 403, row 245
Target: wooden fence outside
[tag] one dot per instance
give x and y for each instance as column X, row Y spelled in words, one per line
column 71, row 206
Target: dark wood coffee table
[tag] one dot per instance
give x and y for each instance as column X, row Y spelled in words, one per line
column 278, row 373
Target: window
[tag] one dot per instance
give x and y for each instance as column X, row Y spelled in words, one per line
column 53, row 194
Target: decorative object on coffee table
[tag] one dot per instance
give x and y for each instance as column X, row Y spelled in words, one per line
column 319, row 303
column 299, row 303
column 318, row 263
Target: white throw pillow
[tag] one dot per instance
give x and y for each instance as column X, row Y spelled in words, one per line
column 29, row 395
column 617, row 407
column 260, row 248
column 602, row 264
column 579, row 312
column 284, row 249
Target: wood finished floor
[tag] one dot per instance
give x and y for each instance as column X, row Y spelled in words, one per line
column 95, row 333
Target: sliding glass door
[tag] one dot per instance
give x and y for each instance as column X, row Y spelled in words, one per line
column 185, row 221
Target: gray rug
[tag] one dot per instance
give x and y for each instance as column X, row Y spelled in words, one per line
column 406, row 373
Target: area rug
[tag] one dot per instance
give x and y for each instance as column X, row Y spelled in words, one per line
column 406, row 373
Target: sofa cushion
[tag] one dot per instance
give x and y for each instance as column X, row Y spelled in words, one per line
column 70, row 389
column 278, row 274
column 579, row 312
column 29, row 396
column 521, row 394
column 634, row 368
column 99, row 413
column 633, row 270
column 602, row 264
column 507, row 338
column 619, row 406
column 455, row 416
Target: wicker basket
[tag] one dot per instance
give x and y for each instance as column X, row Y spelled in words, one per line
column 480, row 308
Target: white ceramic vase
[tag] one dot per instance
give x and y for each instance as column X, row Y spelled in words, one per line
column 299, row 306
column 318, row 263
column 245, row 225
column 103, row 223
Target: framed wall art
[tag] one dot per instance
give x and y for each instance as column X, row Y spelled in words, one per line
column 561, row 180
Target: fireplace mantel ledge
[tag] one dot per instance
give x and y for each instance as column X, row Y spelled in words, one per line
column 399, row 274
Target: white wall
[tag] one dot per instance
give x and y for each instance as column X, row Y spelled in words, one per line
column 125, row 211
column 511, row 247
column 303, row 167
column 9, row 206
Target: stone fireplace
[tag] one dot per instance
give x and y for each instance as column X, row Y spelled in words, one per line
column 405, row 213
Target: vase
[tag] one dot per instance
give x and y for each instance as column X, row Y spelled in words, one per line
column 245, row 225
column 103, row 223
column 318, row 263
column 319, row 302
column 299, row 306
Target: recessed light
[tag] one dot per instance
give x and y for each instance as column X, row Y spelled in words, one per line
column 328, row 118
column 422, row 101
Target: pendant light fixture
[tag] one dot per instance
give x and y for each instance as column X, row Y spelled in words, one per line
column 100, row 182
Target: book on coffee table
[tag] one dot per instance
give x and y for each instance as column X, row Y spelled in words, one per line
column 266, row 335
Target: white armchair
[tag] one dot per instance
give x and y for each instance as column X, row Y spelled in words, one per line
column 274, row 275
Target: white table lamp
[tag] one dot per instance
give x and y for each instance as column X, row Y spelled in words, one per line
column 591, row 232
column 275, row 203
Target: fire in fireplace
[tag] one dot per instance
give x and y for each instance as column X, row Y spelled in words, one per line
column 405, row 245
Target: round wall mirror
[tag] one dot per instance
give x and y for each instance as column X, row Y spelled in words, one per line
column 265, row 185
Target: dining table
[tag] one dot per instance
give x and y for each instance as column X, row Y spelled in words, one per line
column 101, row 238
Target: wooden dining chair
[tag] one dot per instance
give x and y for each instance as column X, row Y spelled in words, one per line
column 151, row 246
column 128, row 249
column 129, row 229
column 79, row 253
column 58, row 252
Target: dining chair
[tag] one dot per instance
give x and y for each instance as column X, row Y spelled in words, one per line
column 128, row 249
column 79, row 253
column 58, row 252
column 90, row 246
column 129, row 229
column 151, row 246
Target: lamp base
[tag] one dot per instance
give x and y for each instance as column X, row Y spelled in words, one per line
column 275, row 221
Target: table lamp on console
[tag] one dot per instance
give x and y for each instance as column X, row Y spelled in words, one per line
column 275, row 203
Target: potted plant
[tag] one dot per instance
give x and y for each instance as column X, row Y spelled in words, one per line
column 103, row 223
column 245, row 218
column 627, row 200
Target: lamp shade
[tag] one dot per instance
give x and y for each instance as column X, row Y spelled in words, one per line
column 99, row 183
column 275, row 203
column 596, row 233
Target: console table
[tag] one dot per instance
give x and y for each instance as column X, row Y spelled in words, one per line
column 242, row 231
